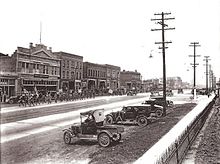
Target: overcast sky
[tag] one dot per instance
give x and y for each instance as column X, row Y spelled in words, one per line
column 118, row 32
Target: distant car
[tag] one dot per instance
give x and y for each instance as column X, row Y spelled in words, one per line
column 131, row 93
column 134, row 114
column 13, row 99
column 200, row 91
column 169, row 92
column 180, row 90
column 159, row 101
column 155, row 94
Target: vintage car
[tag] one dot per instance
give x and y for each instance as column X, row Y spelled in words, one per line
column 169, row 92
column 91, row 127
column 137, row 114
column 155, row 94
column 180, row 91
column 159, row 101
column 131, row 93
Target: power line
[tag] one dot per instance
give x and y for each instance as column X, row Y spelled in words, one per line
column 161, row 21
column 207, row 73
column 194, row 45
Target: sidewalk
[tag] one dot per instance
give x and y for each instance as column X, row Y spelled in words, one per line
column 157, row 150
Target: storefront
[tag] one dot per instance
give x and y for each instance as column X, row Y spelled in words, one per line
column 7, row 85
column 42, row 85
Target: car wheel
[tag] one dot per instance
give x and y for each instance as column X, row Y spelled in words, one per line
column 117, row 138
column 104, row 139
column 67, row 138
column 10, row 101
column 159, row 113
column 142, row 121
column 109, row 119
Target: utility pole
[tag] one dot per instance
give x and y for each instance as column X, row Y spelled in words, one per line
column 194, row 44
column 210, row 77
column 207, row 73
column 161, row 21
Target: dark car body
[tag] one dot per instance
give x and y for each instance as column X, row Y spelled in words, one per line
column 159, row 100
column 169, row 92
column 131, row 93
column 136, row 113
column 180, row 90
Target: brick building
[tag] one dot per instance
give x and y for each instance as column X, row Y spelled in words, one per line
column 71, row 71
column 113, row 76
column 130, row 80
column 8, row 75
column 37, row 66
column 151, row 85
column 94, row 75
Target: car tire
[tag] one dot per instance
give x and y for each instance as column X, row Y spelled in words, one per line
column 10, row 101
column 109, row 120
column 142, row 121
column 104, row 139
column 159, row 113
column 67, row 138
column 118, row 138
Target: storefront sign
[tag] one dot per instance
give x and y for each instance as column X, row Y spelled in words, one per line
column 41, row 75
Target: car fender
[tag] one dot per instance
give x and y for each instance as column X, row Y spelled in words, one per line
column 68, row 131
column 159, row 106
column 111, row 115
column 142, row 115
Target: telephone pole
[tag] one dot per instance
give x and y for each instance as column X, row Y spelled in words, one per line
column 194, row 45
column 210, row 78
column 207, row 73
column 164, row 27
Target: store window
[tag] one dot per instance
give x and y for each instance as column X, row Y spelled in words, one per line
column 67, row 74
column 64, row 74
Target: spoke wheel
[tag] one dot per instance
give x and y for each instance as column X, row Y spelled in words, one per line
column 118, row 138
column 159, row 113
column 67, row 138
column 104, row 139
column 142, row 121
column 109, row 120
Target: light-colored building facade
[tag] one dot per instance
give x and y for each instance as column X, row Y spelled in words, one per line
column 37, row 66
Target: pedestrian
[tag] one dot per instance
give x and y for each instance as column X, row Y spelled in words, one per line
column 4, row 97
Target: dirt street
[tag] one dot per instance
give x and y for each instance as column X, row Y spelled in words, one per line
column 48, row 147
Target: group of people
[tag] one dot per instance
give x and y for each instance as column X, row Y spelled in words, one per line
column 34, row 98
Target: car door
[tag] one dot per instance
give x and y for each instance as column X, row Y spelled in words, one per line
column 129, row 113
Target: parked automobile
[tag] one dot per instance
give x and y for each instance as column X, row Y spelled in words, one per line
column 91, row 127
column 131, row 93
column 169, row 92
column 138, row 114
column 159, row 100
column 155, row 94
column 13, row 99
column 180, row 90
column 201, row 91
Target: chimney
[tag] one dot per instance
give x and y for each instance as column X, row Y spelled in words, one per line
column 31, row 45
column 50, row 49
